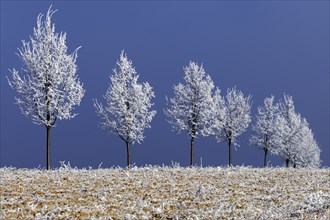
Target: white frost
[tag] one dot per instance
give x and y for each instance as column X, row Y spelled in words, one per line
column 50, row 89
column 192, row 109
column 127, row 112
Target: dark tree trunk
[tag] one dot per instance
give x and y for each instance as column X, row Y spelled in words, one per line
column 294, row 166
column 192, row 151
column 128, row 155
column 287, row 162
column 48, row 148
column 229, row 159
column 265, row 158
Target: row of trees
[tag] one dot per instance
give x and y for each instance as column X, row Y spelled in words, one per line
column 283, row 132
column 197, row 108
column 51, row 89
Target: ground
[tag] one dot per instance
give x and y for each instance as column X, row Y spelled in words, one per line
column 165, row 193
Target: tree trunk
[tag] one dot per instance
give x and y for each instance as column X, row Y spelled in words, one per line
column 128, row 155
column 294, row 166
column 287, row 162
column 48, row 148
column 192, row 151
column 229, row 145
column 265, row 158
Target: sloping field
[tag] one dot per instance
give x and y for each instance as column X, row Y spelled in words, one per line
column 165, row 192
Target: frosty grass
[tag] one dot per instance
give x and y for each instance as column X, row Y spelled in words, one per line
column 165, row 192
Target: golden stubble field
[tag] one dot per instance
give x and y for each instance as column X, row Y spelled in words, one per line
column 165, row 193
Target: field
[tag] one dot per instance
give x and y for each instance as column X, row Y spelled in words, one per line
column 165, row 193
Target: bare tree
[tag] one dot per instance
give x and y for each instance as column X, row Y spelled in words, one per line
column 50, row 89
column 128, row 105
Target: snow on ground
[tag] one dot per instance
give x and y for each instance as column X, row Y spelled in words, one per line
column 165, row 192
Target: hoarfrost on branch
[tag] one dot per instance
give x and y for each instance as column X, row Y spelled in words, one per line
column 192, row 109
column 294, row 140
column 236, row 117
column 263, row 130
column 127, row 112
column 50, row 89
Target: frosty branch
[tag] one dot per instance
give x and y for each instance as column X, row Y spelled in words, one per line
column 50, row 89
column 193, row 108
column 127, row 113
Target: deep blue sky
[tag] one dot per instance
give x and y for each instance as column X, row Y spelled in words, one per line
column 261, row 47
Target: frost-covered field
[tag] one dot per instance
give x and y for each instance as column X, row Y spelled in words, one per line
column 166, row 192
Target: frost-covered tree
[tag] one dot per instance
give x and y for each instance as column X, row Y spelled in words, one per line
column 50, row 89
column 294, row 141
column 192, row 109
column 263, row 129
column 128, row 102
column 307, row 152
column 287, row 126
column 235, row 120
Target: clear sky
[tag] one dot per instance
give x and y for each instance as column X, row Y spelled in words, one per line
column 262, row 47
